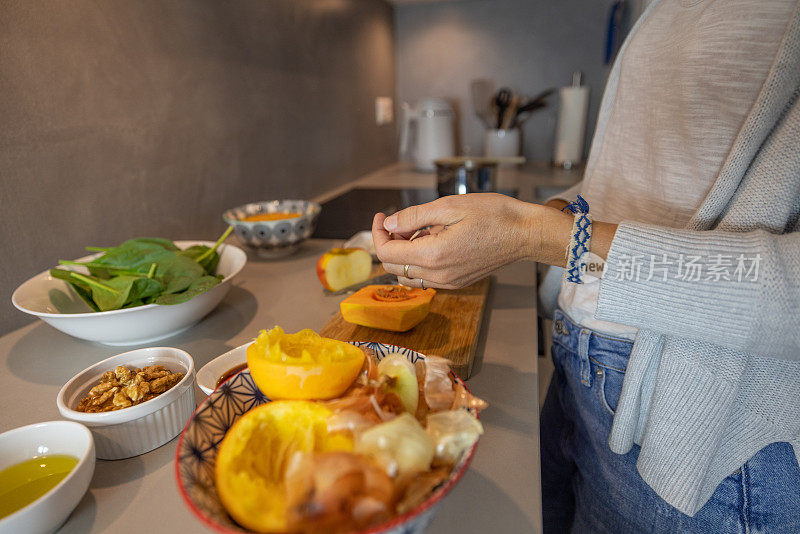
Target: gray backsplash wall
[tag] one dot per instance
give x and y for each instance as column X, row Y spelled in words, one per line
column 125, row 118
column 528, row 45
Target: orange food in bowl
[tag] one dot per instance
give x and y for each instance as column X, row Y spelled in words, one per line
column 304, row 365
column 394, row 308
column 250, row 470
column 278, row 216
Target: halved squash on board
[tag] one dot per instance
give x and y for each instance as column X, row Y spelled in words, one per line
column 395, row 308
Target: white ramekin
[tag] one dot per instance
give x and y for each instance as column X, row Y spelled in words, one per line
column 136, row 430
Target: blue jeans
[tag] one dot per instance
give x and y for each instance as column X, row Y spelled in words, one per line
column 586, row 488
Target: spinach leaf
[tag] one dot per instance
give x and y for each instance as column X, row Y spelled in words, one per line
column 177, row 272
column 82, row 290
column 193, row 252
column 209, row 262
column 108, row 294
column 63, row 274
column 166, row 244
column 200, row 285
column 143, row 288
column 207, row 257
column 106, row 271
column 86, row 295
column 133, row 256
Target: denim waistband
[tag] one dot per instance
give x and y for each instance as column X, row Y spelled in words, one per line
column 604, row 350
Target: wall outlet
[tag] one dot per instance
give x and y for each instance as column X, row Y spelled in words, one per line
column 384, row 110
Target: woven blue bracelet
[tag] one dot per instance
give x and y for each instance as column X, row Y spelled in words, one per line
column 581, row 239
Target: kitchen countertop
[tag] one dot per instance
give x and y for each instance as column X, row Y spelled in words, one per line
column 500, row 492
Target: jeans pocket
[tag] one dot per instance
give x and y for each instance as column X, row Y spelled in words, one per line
column 608, row 384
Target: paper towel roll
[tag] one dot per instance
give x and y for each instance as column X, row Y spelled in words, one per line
column 571, row 128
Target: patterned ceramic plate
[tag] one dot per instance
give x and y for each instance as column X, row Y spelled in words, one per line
column 197, row 450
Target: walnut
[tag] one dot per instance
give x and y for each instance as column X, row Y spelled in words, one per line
column 108, row 376
column 123, row 373
column 121, row 400
column 155, row 371
column 124, row 387
column 137, row 391
column 160, row 385
column 101, row 388
column 99, row 401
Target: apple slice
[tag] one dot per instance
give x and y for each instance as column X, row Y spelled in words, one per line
column 342, row 267
column 402, row 380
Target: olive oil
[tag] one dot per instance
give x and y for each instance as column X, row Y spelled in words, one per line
column 23, row 483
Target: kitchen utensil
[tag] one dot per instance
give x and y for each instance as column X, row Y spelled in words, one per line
column 49, row 511
column 131, row 326
column 529, row 106
column 451, row 328
column 278, row 238
column 141, row 428
column 537, row 101
column 461, row 175
column 434, row 138
column 197, row 448
column 510, row 113
column 481, row 93
column 501, row 102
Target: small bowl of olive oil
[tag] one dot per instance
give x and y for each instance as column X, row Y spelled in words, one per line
column 45, row 469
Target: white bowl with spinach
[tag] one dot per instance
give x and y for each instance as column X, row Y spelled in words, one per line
column 133, row 294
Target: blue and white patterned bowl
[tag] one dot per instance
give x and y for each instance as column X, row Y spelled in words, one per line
column 198, row 444
column 273, row 239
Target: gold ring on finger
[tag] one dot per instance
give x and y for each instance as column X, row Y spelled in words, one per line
column 405, row 270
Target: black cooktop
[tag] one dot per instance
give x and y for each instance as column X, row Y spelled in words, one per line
column 353, row 211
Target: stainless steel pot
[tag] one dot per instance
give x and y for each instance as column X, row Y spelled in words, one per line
column 461, row 175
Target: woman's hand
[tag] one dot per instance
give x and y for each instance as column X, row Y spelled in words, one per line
column 472, row 235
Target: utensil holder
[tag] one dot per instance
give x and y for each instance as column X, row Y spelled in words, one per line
column 502, row 143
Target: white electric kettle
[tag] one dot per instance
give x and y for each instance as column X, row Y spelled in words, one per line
column 435, row 138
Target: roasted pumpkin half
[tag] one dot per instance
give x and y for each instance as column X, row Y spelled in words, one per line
column 395, row 308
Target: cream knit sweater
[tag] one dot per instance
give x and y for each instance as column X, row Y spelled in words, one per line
column 714, row 375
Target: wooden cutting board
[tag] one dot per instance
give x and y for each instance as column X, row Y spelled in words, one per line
column 451, row 329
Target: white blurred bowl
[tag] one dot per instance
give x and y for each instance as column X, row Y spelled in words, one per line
column 49, row 511
column 131, row 326
column 141, row 428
